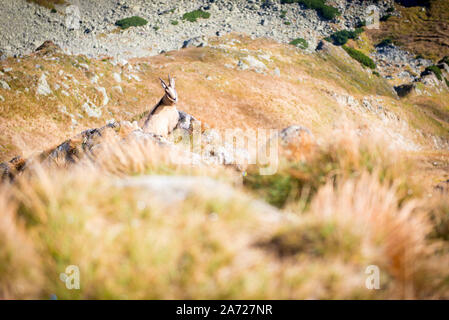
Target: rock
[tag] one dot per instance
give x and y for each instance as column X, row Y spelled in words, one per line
column 94, row 79
column 252, row 62
column 429, row 79
column 5, row 85
column 293, row 133
column 185, row 122
column 211, row 136
column 398, row 63
column 277, row 72
column 443, row 187
column 195, row 42
column 122, row 62
column 74, row 149
column 241, row 65
column 92, row 110
column 9, row 170
column 48, row 47
column 405, row 89
column 118, row 88
column 105, row 96
column 117, row 77
column 169, row 189
column 43, row 88
column 127, row 127
column 218, row 155
column 444, row 67
column 296, row 142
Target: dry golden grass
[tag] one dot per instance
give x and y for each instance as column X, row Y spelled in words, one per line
column 232, row 99
column 50, row 4
column 130, row 244
column 344, row 155
column 20, row 272
column 349, row 199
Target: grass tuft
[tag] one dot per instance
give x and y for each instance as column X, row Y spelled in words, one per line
column 340, row 38
column 193, row 16
column 298, row 179
column 300, row 43
column 360, row 57
column 323, row 10
column 134, row 21
column 436, row 71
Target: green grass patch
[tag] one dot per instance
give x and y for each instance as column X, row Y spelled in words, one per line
column 300, row 43
column 361, row 24
column 174, row 22
column 134, row 21
column 360, row 57
column 436, row 71
column 287, row 23
column 340, row 38
column 193, row 16
column 323, row 10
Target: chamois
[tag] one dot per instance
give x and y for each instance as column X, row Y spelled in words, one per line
column 164, row 116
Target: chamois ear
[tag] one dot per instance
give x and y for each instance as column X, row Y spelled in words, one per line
column 163, row 84
column 171, row 81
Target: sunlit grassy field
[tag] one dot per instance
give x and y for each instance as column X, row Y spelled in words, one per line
column 210, row 87
column 360, row 193
column 338, row 213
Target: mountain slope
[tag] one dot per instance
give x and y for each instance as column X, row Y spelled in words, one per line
column 289, row 87
column 423, row 30
column 359, row 174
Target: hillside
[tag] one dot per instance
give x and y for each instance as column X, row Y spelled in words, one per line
column 423, row 30
column 315, row 90
column 167, row 27
column 356, row 133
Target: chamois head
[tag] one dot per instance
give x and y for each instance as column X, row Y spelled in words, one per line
column 170, row 91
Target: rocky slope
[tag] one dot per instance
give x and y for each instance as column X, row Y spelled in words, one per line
column 62, row 95
column 29, row 25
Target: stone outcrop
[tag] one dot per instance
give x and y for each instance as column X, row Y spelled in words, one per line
column 89, row 144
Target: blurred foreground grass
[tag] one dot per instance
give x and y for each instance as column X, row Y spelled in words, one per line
column 361, row 209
